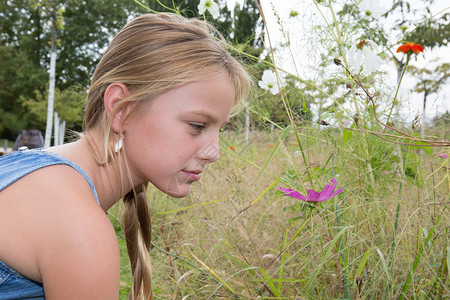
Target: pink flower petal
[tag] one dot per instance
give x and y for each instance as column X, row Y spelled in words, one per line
column 313, row 196
column 327, row 193
column 293, row 194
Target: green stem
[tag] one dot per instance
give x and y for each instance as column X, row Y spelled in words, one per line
column 338, row 34
column 166, row 7
column 336, row 259
column 397, row 215
column 416, row 260
column 398, row 88
column 146, row 7
column 303, row 155
column 182, row 259
column 341, row 47
column 341, row 249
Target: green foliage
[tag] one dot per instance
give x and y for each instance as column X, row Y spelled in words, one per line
column 19, row 78
column 69, row 104
column 247, row 22
column 442, row 120
column 88, row 28
column 85, row 28
column 430, row 81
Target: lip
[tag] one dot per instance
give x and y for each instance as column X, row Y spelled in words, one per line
column 193, row 175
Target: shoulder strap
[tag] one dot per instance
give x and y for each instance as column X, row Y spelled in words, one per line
column 16, row 165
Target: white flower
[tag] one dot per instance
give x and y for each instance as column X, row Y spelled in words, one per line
column 372, row 8
column 269, row 82
column 361, row 54
column 209, row 5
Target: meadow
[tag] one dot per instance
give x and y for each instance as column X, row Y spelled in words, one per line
column 236, row 236
column 335, row 82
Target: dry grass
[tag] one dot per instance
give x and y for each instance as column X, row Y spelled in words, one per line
column 278, row 248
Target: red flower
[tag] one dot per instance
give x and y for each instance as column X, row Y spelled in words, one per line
column 409, row 46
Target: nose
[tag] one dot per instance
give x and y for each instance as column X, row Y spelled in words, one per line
column 210, row 152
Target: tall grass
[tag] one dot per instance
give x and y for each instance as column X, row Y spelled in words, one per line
column 385, row 237
column 390, row 240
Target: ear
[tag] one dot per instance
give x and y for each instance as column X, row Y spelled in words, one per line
column 114, row 93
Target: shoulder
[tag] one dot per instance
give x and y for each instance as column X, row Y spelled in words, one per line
column 79, row 255
column 75, row 246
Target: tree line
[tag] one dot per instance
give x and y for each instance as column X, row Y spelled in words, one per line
column 86, row 27
column 84, row 31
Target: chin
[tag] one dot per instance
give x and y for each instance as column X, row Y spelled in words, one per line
column 174, row 188
column 179, row 192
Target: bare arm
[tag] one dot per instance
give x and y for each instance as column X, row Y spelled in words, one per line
column 78, row 256
column 81, row 264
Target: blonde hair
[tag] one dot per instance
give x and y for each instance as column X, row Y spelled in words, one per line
column 151, row 55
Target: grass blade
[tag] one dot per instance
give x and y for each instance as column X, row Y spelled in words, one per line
column 363, row 262
column 383, row 261
column 275, row 148
column 189, row 207
column 214, row 274
column 416, row 260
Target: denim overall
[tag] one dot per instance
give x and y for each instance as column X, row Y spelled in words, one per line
column 13, row 167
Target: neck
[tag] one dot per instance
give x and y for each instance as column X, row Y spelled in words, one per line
column 110, row 183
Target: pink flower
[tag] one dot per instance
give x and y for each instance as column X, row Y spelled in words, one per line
column 443, row 155
column 313, row 196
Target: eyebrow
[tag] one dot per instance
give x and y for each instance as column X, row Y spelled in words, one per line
column 205, row 114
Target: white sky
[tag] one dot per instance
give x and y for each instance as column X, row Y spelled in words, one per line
column 299, row 30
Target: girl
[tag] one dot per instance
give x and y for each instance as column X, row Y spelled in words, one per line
column 158, row 98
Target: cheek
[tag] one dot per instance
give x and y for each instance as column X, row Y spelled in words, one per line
column 169, row 152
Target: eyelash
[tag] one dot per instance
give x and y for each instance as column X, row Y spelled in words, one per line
column 198, row 127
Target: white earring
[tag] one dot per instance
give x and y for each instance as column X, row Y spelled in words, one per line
column 118, row 145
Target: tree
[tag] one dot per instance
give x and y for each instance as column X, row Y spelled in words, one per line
column 19, row 77
column 53, row 11
column 239, row 27
column 247, row 22
column 430, row 82
column 87, row 27
column 24, row 42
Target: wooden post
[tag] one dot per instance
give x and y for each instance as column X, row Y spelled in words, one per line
column 56, row 128
column 62, row 132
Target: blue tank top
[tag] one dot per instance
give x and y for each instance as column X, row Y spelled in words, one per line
column 13, row 167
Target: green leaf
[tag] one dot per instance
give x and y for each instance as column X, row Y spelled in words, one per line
column 427, row 149
column 363, row 262
column 270, row 282
column 448, row 258
column 346, row 135
column 383, row 261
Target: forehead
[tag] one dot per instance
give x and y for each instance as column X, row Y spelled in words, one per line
column 212, row 98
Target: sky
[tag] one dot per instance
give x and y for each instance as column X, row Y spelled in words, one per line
column 304, row 53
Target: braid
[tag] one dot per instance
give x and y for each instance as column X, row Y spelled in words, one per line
column 151, row 55
column 137, row 228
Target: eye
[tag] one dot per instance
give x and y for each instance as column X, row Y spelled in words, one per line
column 198, row 127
